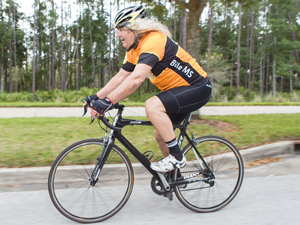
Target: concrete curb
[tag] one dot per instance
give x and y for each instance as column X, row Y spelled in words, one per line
column 39, row 175
column 266, row 151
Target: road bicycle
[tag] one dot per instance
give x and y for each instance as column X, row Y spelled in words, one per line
column 86, row 187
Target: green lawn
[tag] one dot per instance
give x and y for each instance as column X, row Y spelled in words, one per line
column 37, row 141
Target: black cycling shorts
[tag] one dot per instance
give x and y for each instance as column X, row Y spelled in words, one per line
column 180, row 101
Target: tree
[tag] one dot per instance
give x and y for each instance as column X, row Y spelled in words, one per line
column 91, row 43
column 62, row 48
column 2, row 32
column 210, row 31
column 10, row 48
column 195, row 8
column 34, row 50
column 239, row 52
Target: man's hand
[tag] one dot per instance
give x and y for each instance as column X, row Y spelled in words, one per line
column 101, row 106
column 87, row 100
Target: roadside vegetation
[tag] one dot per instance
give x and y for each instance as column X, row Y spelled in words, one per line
column 224, row 96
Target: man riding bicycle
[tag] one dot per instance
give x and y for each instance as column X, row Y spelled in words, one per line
column 153, row 54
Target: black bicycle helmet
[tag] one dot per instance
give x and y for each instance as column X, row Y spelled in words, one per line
column 128, row 15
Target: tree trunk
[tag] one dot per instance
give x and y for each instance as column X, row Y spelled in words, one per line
column 53, row 50
column 2, row 55
column 251, row 51
column 268, row 71
column 62, row 49
column 79, row 67
column 239, row 52
column 10, row 50
column 67, row 74
column 175, row 28
column 291, row 79
column 2, row 72
column 247, row 53
column 49, row 56
column 109, row 47
column 294, row 41
column 210, row 31
column 261, row 82
column 195, row 8
column 15, row 49
column 91, row 43
column 183, row 31
column 102, row 74
column 34, row 50
column 274, row 69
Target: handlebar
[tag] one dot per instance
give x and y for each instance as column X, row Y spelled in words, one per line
column 110, row 126
column 102, row 118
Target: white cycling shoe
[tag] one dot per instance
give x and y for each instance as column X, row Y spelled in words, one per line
column 168, row 164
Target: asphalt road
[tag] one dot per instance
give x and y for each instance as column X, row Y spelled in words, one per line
column 270, row 194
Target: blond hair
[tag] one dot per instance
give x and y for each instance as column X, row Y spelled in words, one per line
column 144, row 26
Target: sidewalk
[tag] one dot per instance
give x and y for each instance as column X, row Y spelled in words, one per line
column 140, row 111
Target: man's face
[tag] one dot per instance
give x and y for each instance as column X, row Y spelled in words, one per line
column 126, row 36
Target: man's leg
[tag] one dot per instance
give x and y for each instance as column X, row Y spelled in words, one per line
column 162, row 144
column 156, row 113
column 164, row 135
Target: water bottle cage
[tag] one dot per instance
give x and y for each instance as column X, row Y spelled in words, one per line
column 148, row 155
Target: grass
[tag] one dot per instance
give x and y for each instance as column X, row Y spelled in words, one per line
column 29, row 142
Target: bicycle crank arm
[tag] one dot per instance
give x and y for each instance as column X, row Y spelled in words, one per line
column 164, row 182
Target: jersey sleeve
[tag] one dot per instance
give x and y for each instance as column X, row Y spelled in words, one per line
column 127, row 64
column 152, row 49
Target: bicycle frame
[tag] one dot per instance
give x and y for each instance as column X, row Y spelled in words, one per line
column 115, row 132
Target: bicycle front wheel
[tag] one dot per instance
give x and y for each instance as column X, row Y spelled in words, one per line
column 73, row 194
column 215, row 179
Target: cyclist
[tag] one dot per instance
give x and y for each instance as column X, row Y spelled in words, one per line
column 153, row 54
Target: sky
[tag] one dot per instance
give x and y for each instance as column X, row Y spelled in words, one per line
column 26, row 6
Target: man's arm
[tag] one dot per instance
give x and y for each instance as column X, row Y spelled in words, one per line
column 130, row 84
column 118, row 90
column 113, row 83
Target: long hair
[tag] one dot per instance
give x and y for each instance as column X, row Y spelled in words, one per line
column 143, row 26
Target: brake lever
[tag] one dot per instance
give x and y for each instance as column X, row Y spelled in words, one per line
column 85, row 111
column 92, row 120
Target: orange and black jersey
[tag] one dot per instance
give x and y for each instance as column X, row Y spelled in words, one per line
column 171, row 65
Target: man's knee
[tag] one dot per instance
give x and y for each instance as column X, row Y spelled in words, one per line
column 148, row 104
column 153, row 105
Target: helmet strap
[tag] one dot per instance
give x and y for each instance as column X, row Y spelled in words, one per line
column 134, row 44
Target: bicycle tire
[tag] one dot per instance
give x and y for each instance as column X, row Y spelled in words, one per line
column 225, row 162
column 70, row 189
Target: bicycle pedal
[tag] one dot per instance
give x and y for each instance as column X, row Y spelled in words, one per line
column 148, row 155
column 169, row 196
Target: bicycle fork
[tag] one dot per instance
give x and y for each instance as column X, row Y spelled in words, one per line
column 107, row 147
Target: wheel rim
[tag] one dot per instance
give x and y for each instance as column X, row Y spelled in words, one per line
column 213, row 194
column 72, row 193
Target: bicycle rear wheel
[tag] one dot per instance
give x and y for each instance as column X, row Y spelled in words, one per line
column 210, row 192
column 70, row 189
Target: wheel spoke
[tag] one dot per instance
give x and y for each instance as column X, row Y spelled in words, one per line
column 70, row 189
column 224, row 161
